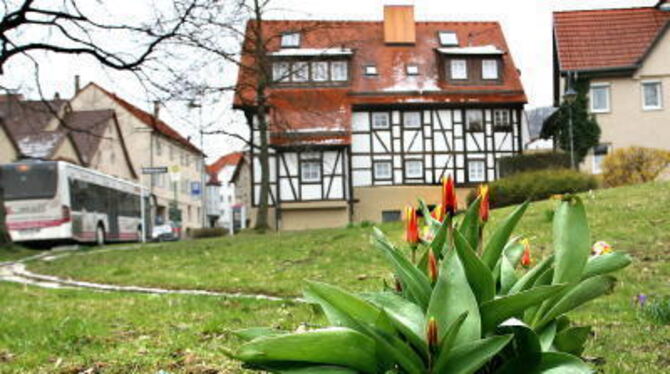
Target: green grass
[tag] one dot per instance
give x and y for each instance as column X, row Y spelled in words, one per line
column 13, row 253
column 633, row 219
column 69, row 331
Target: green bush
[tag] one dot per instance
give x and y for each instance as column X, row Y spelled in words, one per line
column 634, row 165
column 537, row 185
column 210, row 232
column 511, row 165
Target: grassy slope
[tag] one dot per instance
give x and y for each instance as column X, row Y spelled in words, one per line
column 634, row 219
column 14, row 253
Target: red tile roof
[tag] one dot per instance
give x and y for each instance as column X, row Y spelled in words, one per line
column 230, row 159
column 608, row 38
column 159, row 125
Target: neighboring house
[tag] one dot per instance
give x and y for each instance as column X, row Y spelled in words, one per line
column 213, row 200
column 9, row 150
column 223, row 170
column 625, row 55
column 152, row 143
column 366, row 116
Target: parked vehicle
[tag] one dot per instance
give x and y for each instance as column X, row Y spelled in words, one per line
column 168, row 231
column 56, row 200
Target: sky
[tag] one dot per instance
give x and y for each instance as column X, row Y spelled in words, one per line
column 526, row 24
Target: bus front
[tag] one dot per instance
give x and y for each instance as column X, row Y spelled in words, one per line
column 36, row 207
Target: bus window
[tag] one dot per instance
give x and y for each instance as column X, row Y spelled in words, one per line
column 29, row 181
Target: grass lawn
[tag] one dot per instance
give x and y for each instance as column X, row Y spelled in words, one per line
column 15, row 252
column 634, row 219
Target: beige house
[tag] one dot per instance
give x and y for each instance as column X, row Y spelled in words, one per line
column 9, row 151
column 152, row 143
column 625, row 54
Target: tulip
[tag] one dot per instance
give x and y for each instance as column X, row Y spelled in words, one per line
column 438, row 213
column 432, row 266
column 525, row 259
column 601, row 248
column 431, row 333
column 411, row 227
column 449, row 202
column 484, row 203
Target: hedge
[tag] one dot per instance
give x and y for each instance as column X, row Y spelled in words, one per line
column 537, row 185
column 211, row 232
column 511, row 165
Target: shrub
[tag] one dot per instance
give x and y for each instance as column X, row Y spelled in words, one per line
column 537, row 185
column 511, row 165
column 634, row 165
column 210, row 232
column 456, row 309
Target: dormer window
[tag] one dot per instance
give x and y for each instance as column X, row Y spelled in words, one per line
column 412, row 69
column 290, row 40
column 370, row 69
column 489, row 69
column 459, row 69
column 448, row 38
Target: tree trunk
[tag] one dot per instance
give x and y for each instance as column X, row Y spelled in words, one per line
column 5, row 239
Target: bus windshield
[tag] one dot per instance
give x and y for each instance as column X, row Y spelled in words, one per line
column 29, row 181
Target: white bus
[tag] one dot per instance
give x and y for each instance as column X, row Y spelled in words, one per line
column 59, row 201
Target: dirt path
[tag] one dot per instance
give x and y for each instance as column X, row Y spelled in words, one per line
column 16, row 272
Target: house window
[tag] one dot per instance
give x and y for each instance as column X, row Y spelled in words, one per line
column 476, row 170
column 382, row 170
column 380, row 120
column 600, row 98
column 501, row 120
column 489, row 69
column 290, row 40
column 280, row 71
column 652, row 98
column 412, row 119
column 412, row 69
column 459, row 69
column 475, row 120
column 370, row 69
column 300, row 72
column 414, row 169
column 448, row 38
column 311, row 171
column 320, row 71
column 391, row 216
column 338, row 71
column 599, row 153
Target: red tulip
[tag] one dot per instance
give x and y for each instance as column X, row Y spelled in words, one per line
column 438, row 213
column 431, row 333
column 432, row 266
column 484, row 203
column 525, row 259
column 411, row 226
column 449, row 202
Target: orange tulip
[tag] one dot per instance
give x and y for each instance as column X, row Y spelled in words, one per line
column 484, row 203
column 431, row 333
column 438, row 213
column 525, row 259
column 411, row 226
column 432, row 266
column 449, row 202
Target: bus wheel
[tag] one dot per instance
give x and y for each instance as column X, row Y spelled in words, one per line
column 100, row 236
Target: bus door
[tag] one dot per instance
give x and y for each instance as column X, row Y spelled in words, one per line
column 113, row 214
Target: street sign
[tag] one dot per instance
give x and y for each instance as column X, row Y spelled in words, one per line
column 155, row 170
column 196, row 189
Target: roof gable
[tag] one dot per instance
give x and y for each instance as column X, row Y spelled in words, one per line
column 607, row 39
column 230, row 159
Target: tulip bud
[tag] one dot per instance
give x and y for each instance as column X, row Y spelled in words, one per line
column 449, row 202
column 432, row 266
column 525, row 259
column 411, row 226
column 484, row 203
column 601, row 248
column 438, row 213
column 431, row 333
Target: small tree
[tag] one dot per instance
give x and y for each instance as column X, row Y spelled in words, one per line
column 585, row 129
column 634, row 165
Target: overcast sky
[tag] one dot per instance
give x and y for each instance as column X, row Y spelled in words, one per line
column 526, row 23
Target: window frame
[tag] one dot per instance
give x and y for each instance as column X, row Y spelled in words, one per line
column 608, row 97
column 507, row 126
column 345, row 65
column 404, row 119
column 452, row 66
column 303, row 168
column 476, row 162
column 302, row 72
column 482, row 120
column 412, row 69
column 442, row 41
column 420, row 175
column 382, row 162
column 496, row 68
column 285, row 76
column 659, row 93
column 290, row 39
column 313, row 70
column 378, row 114
column 370, row 73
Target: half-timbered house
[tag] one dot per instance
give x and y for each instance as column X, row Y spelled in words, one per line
column 366, row 116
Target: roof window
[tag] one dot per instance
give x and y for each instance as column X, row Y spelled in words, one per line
column 412, row 69
column 448, row 38
column 290, row 40
column 370, row 69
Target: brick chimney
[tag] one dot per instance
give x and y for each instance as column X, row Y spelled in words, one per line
column 399, row 27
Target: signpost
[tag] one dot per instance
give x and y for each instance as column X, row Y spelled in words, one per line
column 148, row 171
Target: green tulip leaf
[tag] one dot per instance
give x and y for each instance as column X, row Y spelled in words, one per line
column 532, row 275
column 500, row 236
column 606, row 263
column 470, row 357
column 479, row 276
column 572, row 339
column 447, row 342
column 572, row 241
column 507, row 275
column 470, row 226
column 499, row 310
column 547, row 335
column 561, row 363
column 407, row 317
column 513, row 251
